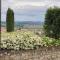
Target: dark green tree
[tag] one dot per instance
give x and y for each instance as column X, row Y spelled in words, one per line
column 52, row 23
column 10, row 20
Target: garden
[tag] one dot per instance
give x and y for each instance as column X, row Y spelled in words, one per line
column 28, row 40
column 25, row 40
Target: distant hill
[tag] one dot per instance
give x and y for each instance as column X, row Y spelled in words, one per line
column 25, row 24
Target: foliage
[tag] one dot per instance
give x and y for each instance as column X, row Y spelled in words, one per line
column 25, row 40
column 50, row 41
column 10, row 20
column 20, row 40
column 52, row 23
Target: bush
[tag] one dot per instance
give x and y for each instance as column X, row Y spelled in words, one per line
column 20, row 40
column 25, row 40
column 10, row 20
column 52, row 23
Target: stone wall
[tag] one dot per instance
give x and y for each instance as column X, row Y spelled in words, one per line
column 42, row 53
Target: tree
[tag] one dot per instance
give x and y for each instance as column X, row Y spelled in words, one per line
column 10, row 20
column 52, row 23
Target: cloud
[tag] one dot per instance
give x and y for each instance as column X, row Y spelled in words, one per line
column 23, row 4
column 27, row 8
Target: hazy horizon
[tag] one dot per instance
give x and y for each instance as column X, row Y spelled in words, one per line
column 23, row 21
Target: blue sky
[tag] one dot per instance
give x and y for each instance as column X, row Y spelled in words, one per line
column 27, row 10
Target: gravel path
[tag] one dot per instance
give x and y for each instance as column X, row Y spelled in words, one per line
column 43, row 53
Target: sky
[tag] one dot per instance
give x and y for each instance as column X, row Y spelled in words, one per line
column 27, row 10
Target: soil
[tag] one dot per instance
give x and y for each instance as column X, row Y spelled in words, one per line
column 42, row 53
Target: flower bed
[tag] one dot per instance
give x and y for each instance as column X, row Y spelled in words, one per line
column 25, row 40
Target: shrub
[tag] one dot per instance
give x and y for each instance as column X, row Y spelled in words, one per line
column 52, row 23
column 20, row 40
column 10, row 20
column 26, row 40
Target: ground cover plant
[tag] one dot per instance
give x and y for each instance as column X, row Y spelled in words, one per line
column 25, row 40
